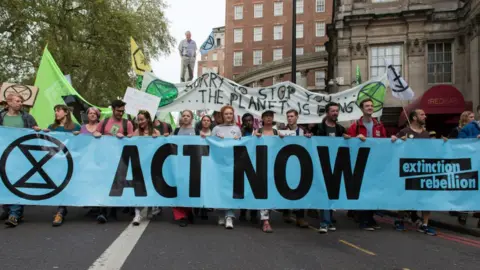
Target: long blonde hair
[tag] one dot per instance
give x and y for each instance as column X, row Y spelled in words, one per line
column 464, row 118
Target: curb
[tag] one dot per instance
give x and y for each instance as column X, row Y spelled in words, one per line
column 444, row 225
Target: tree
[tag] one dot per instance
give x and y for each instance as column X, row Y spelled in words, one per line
column 90, row 40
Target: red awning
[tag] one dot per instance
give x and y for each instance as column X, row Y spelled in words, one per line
column 440, row 99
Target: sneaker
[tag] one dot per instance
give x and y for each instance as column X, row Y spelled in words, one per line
column 183, row 222
column 57, row 220
column 101, row 219
column 399, row 225
column 331, row 227
column 228, row 223
column 375, row 225
column 221, row 221
column 156, row 211
column 12, row 221
column 302, row 223
column 136, row 220
column 323, row 228
column 367, row 227
column 427, row 230
column 266, row 228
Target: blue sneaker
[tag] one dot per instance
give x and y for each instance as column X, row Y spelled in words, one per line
column 323, row 228
column 427, row 230
column 399, row 225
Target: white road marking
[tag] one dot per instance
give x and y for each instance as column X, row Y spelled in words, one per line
column 117, row 253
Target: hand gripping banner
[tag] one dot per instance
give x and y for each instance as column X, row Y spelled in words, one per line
column 251, row 173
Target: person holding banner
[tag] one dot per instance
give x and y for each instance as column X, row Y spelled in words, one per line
column 93, row 115
column 13, row 116
column 145, row 128
column 367, row 126
column 119, row 127
column 247, row 130
column 164, row 128
column 415, row 131
column 267, row 130
column 228, row 129
column 63, row 123
column 330, row 127
column 292, row 118
column 184, row 215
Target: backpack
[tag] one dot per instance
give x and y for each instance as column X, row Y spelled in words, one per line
column 275, row 132
column 175, row 132
column 124, row 126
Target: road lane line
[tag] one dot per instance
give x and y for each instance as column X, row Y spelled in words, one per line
column 117, row 253
column 357, row 247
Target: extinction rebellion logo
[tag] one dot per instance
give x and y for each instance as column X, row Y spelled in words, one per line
column 438, row 174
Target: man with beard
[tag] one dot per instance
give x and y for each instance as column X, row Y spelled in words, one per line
column 415, row 131
column 330, row 127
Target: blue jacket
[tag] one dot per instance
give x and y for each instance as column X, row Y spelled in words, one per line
column 471, row 130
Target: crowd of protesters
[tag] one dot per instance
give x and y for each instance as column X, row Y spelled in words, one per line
column 223, row 125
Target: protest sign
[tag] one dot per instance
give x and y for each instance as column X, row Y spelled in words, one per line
column 251, row 173
column 28, row 93
column 138, row 100
column 212, row 91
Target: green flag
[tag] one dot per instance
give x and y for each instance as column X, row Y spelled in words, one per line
column 358, row 77
column 55, row 89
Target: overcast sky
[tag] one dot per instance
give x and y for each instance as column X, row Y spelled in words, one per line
column 197, row 16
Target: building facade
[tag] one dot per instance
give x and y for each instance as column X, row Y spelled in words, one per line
column 259, row 41
column 214, row 60
column 434, row 44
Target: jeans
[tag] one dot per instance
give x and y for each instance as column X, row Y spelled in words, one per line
column 229, row 213
column 326, row 216
column 16, row 210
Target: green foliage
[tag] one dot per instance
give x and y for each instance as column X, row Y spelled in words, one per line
column 89, row 39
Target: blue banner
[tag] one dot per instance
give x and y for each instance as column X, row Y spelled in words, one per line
column 251, row 173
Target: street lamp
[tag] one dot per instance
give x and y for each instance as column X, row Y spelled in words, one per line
column 294, row 41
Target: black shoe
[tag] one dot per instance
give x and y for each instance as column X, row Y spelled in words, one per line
column 183, row 222
column 12, row 221
column 101, row 219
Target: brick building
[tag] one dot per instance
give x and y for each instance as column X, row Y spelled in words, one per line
column 434, row 44
column 258, row 41
column 213, row 61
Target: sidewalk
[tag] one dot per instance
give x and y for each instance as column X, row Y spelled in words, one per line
column 445, row 221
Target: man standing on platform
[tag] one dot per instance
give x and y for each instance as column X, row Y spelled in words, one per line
column 188, row 52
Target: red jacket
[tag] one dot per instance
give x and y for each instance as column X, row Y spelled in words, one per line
column 358, row 128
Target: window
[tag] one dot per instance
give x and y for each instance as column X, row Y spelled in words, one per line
column 319, row 48
column 299, row 8
column 277, row 8
column 214, row 57
column 277, row 54
column 257, row 33
column 439, row 63
column 299, row 51
column 238, row 12
column 391, row 53
column 319, row 29
column 299, row 29
column 237, row 59
column 258, row 10
column 257, row 57
column 237, row 35
column 274, row 79
column 219, row 42
column 320, row 78
column 320, row 5
column 278, row 32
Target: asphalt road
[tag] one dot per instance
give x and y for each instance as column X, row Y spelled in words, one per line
column 82, row 244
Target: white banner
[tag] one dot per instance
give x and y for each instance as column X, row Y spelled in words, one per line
column 211, row 91
column 137, row 101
